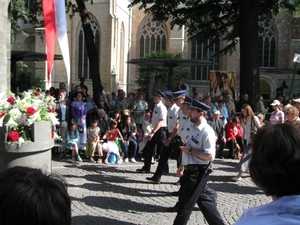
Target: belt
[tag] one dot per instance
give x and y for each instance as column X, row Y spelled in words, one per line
column 196, row 167
column 164, row 128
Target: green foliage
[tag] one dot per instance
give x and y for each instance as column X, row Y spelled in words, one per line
column 147, row 74
column 206, row 19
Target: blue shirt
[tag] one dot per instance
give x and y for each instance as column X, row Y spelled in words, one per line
column 284, row 210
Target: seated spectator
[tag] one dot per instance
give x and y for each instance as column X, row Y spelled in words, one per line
column 111, row 147
column 28, row 196
column 230, row 106
column 73, row 141
column 216, row 123
column 234, row 135
column 122, row 102
column 275, row 168
column 94, row 142
column 128, row 131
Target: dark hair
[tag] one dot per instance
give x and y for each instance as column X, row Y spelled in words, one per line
column 70, row 127
column 235, row 119
column 28, row 196
column 78, row 92
column 275, row 162
column 94, row 120
column 112, row 122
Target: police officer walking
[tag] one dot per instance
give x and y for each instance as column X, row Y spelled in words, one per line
column 197, row 154
column 173, row 125
column 158, row 134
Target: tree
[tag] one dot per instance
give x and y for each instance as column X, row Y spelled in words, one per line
column 226, row 20
column 147, row 74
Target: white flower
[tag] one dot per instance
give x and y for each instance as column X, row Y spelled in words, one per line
column 21, row 140
column 53, row 118
column 11, row 122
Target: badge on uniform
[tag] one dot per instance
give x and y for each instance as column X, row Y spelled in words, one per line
column 195, row 140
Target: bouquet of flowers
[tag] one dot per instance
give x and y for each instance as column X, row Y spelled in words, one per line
column 19, row 112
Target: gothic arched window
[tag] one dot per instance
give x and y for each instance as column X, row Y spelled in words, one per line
column 83, row 61
column 152, row 38
column 204, row 51
column 267, row 45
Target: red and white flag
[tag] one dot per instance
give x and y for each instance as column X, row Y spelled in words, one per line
column 55, row 25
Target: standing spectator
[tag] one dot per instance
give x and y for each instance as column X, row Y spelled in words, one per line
column 72, row 92
column 196, row 155
column 216, row 123
column 242, row 101
column 158, row 134
column 277, row 115
column 250, row 123
column 82, row 80
column 260, row 107
column 103, row 123
column 111, row 104
column 230, row 107
column 139, row 106
column 158, row 85
column 292, row 115
column 79, row 113
column 194, row 91
column 274, row 168
column 180, row 86
column 64, row 112
column 223, row 111
column 207, row 101
column 296, row 103
column 147, row 128
column 122, row 102
column 234, row 135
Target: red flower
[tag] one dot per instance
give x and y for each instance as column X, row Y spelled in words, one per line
column 52, row 134
column 36, row 93
column 2, row 114
column 13, row 136
column 11, row 100
column 50, row 110
column 31, row 111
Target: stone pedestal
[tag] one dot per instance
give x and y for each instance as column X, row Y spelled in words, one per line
column 36, row 154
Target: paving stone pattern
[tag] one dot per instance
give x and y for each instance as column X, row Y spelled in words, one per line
column 116, row 194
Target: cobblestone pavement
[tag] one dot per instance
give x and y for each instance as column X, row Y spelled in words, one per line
column 116, row 194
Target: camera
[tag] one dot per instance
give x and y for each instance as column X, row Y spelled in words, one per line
column 179, row 141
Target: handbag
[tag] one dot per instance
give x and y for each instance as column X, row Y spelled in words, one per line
column 254, row 129
column 80, row 128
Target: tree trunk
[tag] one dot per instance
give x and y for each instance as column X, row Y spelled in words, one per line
column 249, row 61
column 91, row 50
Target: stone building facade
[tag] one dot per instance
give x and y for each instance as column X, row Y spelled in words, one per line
column 123, row 33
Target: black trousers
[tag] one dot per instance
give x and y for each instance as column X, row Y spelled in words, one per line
column 163, row 160
column 221, row 144
column 158, row 138
column 206, row 199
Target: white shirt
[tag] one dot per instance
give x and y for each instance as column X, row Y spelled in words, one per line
column 201, row 139
column 172, row 117
column 159, row 113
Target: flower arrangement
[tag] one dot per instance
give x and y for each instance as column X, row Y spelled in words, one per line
column 18, row 113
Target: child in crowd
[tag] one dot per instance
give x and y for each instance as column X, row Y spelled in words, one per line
column 73, row 141
column 111, row 146
column 93, row 136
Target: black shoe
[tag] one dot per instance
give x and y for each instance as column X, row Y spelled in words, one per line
column 176, row 193
column 166, row 172
column 153, row 179
column 173, row 209
column 142, row 171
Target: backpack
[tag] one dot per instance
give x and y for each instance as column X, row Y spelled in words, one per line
column 139, row 135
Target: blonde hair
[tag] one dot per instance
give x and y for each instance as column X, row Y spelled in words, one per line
column 292, row 111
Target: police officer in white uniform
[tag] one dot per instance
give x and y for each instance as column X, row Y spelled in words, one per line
column 159, row 132
column 173, row 125
column 196, row 155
